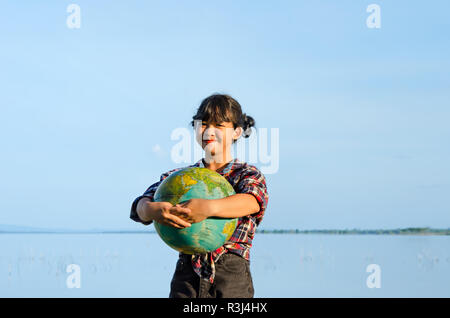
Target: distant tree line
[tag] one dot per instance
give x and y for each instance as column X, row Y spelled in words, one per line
column 404, row 231
column 409, row 230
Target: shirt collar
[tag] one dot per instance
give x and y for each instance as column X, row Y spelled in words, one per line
column 227, row 169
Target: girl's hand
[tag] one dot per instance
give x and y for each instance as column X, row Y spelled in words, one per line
column 165, row 213
column 199, row 209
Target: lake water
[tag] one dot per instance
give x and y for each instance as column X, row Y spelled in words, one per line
column 288, row 265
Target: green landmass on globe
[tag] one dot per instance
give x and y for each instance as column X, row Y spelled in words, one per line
column 195, row 183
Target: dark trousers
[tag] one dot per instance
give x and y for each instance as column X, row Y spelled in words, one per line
column 232, row 280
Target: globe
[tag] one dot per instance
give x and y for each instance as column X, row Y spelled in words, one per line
column 195, row 183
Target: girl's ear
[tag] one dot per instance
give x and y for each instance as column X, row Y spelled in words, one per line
column 237, row 133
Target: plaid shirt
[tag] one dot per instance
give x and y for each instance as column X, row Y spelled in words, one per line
column 244, row 178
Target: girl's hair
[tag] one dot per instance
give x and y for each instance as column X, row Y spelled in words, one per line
column 221, row 107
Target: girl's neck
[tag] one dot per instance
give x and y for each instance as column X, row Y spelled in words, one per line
column 215, row 164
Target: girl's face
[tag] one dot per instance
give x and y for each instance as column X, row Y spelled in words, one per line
column 216, row 139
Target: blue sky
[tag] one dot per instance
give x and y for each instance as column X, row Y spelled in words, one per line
column 362, row 113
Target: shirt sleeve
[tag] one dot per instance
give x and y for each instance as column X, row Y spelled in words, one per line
column 253, row 182
column 149, row 193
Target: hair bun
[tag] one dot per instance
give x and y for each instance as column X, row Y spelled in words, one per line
column 249, row 122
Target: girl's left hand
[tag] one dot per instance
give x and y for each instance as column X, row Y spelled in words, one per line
column 200, row 210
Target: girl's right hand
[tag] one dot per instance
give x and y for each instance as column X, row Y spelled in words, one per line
column 164, row 213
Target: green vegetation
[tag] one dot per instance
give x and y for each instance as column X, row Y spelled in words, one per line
column 405, row 231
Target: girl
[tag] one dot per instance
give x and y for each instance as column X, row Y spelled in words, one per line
column 225, row 272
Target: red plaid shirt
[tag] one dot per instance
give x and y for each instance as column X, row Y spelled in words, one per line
column 244, row 178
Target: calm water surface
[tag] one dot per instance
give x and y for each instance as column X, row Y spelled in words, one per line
column 141, row 265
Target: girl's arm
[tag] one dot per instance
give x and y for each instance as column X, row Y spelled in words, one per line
column 234, row 206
